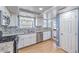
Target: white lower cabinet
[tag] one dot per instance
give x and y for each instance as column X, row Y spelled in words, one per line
column 20, row 41
column 29, row 39
column 46, row 35
column 26, row 40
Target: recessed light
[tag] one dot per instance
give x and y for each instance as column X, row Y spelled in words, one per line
column 40, row 8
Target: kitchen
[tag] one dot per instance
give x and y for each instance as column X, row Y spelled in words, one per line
column 22, row 27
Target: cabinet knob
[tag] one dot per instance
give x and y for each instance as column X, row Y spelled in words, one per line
column 61, row 33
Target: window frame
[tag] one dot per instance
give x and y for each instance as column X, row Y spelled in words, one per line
column 33, row 24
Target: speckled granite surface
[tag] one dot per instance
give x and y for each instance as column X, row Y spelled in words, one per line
column 24, row 31
column 6, row 47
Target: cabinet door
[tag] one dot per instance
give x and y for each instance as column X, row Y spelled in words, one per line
column 29, row 39
column 13, row 20
column 26, row 40
column 49, row 34
column 20, row 41
column 33, row 38
column 46, row 35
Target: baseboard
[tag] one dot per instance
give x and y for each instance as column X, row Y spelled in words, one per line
column 62, row 49
column 47, row 39
column 53, row 39
column 34, row 44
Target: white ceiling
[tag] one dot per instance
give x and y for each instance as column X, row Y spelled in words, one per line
column 13, row 9
column 31, row 9
column 35, row 8
column 60, row 7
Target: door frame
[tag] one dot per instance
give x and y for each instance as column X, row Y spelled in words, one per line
column 58, row 31
column 78, row 30
column 58, row 18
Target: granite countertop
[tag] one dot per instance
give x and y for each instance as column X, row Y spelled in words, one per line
column 43, row 29
column 23, row 32
column 10, row 34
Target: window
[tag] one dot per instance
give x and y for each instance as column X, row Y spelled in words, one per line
column 50, row 23
column 54, row 23
column 44, row 23
column 47, row 23
column 26, row 22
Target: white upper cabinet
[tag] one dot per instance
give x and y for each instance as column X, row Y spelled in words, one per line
column 45, row 15
column 39, row 22
column 54, row 12
column 51, row 13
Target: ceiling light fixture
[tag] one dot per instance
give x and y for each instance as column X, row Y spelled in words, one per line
column 40, row 8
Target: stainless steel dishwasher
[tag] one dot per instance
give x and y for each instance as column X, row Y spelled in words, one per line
column 39, row 37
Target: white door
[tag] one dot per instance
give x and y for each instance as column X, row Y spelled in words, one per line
column 68, row 28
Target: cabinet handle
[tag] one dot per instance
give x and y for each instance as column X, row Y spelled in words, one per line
column 61, row 33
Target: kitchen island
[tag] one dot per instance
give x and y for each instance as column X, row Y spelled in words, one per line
column 8, row 44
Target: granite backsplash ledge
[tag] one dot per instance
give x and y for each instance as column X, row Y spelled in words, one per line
column 20, row 31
